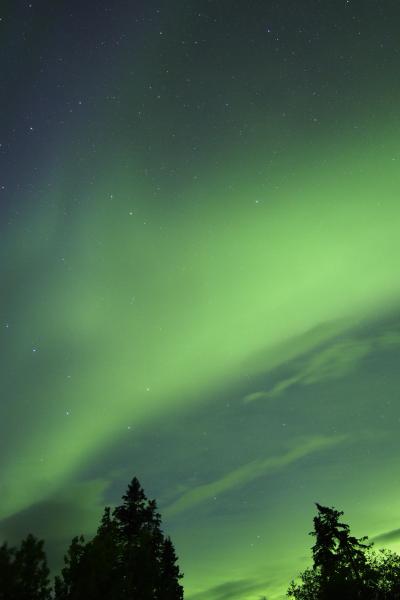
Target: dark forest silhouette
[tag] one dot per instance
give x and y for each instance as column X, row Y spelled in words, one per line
column 130, row 558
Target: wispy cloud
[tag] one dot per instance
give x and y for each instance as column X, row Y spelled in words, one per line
column 250, row 471
column 387, row 537
column 332, row 362
column 230, row 590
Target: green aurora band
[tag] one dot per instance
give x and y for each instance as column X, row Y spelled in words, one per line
column 200, row 284
column 154, row 308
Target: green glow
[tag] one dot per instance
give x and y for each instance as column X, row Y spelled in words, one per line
column 200, row 259
column 153, row 310
column 178, row 309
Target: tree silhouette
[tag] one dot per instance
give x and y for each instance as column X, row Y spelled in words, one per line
column 91, row 569
column 386, row 567
column 170, row 575
column 24, row 574
column 105, row 558
column 145, row 557
column 7, row 572
column 345, row 567
column 341, row 557
column 32, row 570
column 128, row 558
column 309, row 587
column 342, row 566
column 67, row 586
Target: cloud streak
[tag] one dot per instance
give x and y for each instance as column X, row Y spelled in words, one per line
column 332, row 362
column 249, row 472
column 230, row 590
column 387, row 537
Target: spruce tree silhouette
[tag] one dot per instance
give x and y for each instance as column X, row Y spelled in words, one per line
column 128, row 558
column 340, row 556
column 68, row 585
column 106, row 558
column 142, row 544
column 24, row 574
column 7, row 572
column 342, row 564
column 91, row 569
column 170, row 574
column 32, row 570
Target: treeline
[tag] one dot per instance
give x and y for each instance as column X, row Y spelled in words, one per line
column 129, row 558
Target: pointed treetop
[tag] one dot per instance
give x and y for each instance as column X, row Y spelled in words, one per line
column 134, row 492
column 136, row 513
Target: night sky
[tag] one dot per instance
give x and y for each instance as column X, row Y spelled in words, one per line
column 200, row 275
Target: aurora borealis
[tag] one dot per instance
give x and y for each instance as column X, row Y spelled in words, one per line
column 200, row 259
